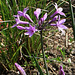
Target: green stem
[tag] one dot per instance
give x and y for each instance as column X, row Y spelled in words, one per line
column 72, row 17
column 43, row 53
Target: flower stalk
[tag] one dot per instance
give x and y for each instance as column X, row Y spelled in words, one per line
column 44, row 59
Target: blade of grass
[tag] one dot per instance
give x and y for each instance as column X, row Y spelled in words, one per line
column 38, row 67
column 14, row 55
column 72, row 17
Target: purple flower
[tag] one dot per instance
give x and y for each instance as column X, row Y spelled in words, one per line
column 54, row 19
column 60, row 25
column 24, row 14
column 31, row 30
column 18, row 21
column 58, row 10
column 37, row 12
column 20, row 69
column 42, row 19
column 61, row 72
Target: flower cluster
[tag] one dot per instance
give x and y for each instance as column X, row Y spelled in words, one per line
column 40, row 21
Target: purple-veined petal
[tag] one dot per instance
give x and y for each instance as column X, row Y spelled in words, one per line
column 15, row 15
column 31, row 27
column 53, row 14
column 20, row 27
column 59, row 10
column 54, row 19
column 58, row 18
column 18, row 17
column 28, row 17
column 61, row 13
column 31, row 34
column 17, row 21
column 14, row 25
column 23, row 22
column 20, row 13
column 37, row 12
column 27, row 28
column 44, row 17
column 56, row 6
column 52, row 24
column 62, row 21
column 20, row 69
column 27, row 33
column 60, row 29
column 63, row 27
column 25, row 10
column 31, row 30
column 40, row 23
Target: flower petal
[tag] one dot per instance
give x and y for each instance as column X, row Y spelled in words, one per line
column 28, row 17
column 27, row 28
column 62, row 21
column 25, row 10
column 37, row 12
column 59, row 10
column 53, row 14
column 52, row 24
column 61, row 13
column 14, row 25
column 40, row 23
column 20, row 69
column 17, row 21
column 63, row 27
column 20, row 13
column 23, row 22
column 27, row 33
column 44, row 17
column 54, row 19
column 31, row 30
column 31, row 34
column 15, row 15
column 56, row 6
column 20, row 27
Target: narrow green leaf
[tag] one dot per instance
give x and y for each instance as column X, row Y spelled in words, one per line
column 38, row 67
column 72, row 17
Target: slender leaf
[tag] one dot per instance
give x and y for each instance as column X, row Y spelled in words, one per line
column 38, row 67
